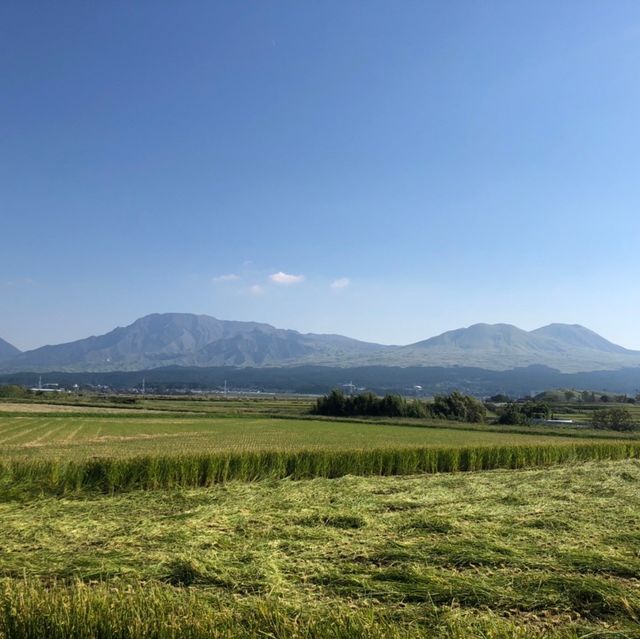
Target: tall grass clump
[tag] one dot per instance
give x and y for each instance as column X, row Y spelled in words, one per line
column 111, row 475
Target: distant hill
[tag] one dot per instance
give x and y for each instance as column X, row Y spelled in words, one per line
column 576, row 336
column 567, row 348
column 321, row 379
column 7, row 351
column 182, row 339
column 189, row 340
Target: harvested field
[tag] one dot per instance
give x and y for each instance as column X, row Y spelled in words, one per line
column 137, row 524
column 501, row 554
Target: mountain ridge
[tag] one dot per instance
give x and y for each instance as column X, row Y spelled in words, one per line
column 162, row 339
column 7, row 350
column 185, row 339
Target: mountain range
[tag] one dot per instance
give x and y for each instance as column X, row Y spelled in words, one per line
column 182, row 339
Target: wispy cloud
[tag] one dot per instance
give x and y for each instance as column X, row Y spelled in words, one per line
column 256, row 289
column 229, row 277
column 17, row 283
column 286, row 278
column 341, row 282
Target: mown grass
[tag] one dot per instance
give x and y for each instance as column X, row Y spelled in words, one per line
column 123, row 611
column 218, row 405
column 526, row 553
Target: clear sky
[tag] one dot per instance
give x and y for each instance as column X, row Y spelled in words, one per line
column 384, row 170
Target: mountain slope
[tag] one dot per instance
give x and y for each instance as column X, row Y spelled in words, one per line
column 576, row 336
column 496, row 338
column 564, row 347
column 181, row 339
column 7, row 351
column 187, row 340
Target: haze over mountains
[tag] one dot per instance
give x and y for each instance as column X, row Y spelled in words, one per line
column 184, row 339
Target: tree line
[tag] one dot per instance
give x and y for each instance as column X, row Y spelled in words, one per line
column 457, row 407
column 454, row 406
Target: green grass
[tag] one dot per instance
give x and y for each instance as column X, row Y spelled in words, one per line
column 152, row 472
column 75, row 452
column 528, row 553
column 582, row 413
column 80, row 435
column 139, row 524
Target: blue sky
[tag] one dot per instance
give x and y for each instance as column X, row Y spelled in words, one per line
column 385, row 170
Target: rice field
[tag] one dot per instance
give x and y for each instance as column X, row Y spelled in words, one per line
column 225, row 523
column 532, row 554
column 70, row 453
column 81, row 435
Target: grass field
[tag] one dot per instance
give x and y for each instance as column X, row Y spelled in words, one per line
column 262, row 404
column 532, row 553
column 72, row 452
column 79, row 435
column 132, row 523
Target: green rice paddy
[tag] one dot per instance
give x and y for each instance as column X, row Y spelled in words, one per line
column 79, row 436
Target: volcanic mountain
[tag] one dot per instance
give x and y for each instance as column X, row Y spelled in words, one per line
column 190, row 340
column 184, row 339
column 565, row 347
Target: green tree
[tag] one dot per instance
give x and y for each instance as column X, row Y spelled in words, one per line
column 613, row 419
column 512, row 414
column 458, row 407
column 13, row 391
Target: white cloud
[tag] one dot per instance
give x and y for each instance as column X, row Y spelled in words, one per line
column 286, row 278
column 256, row 289
column 229, row 277
column 341, row 282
